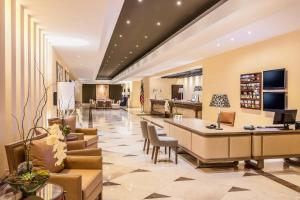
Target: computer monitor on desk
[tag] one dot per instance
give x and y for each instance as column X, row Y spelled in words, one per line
column 285, row 117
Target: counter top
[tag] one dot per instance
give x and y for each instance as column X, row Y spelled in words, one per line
column 198, row 126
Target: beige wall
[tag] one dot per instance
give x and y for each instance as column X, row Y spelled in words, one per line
column 23, row 49
column 222, row 75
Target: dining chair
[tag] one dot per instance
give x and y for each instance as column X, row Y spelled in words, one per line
column 145, row 134
column 158, row 142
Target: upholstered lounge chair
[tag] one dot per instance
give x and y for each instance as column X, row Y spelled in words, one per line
column 81, row 177
column 89, row 135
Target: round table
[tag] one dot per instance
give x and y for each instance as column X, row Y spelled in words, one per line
column 47, row 192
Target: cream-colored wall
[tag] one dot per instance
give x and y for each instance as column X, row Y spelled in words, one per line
column 222, row 75
column 23, row 49
column 135, row 94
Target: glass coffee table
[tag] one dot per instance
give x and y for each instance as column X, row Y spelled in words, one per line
column 48, row 192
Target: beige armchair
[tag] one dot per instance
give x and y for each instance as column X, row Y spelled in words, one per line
column 89, row 135
column 81, row 177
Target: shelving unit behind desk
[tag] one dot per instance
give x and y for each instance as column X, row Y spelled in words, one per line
column 186, row 108
column 212, row 148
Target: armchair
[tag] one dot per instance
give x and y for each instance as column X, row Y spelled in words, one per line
column 81, row 177
column 89, row 135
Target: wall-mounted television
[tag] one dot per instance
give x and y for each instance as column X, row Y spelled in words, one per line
column 273, row 101
column 274, row 79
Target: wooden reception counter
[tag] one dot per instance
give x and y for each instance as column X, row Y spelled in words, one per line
column 232, row 144
column 186, row 108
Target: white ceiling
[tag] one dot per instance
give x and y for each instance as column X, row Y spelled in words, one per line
column 93, row 23
column 80, row 30
column 212, row 34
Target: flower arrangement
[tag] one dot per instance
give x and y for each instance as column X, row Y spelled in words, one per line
column 27, row 179
column 56, row 138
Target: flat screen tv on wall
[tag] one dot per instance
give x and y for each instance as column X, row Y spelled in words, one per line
column 274, row 79
column 274, row 101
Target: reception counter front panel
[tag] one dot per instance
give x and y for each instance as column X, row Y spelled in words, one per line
column 232, row 144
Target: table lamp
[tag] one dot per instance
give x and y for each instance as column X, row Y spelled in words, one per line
column 219, row 101
column 197, row 90
column 180, row 91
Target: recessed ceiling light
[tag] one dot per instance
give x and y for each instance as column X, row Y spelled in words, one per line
column 125, row 57
column 249, row 32
column 232, row 39
column 218, row 44
column 127, row 21
column 140, row 1
column 120, row 35
column 137, row 46
column 130, row 52
column 146, row 36
column 115, row 45
column 122, row 61
column 178, row 3
column 158, row 23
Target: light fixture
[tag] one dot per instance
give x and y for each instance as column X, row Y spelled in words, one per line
column 140, row 1
column 67, row 41
column 130, row 52
column 122, row 61
column 120, row 35
column 125, row 57
column 178, row 3
column 137, row 46
column 115, row 45
column 127, row 21
column 146, row 36
column 249, row 32
column 158, row 23
column 232, row 39
column 218, row 44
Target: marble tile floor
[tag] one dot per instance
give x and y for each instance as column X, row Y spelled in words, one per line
column 129, row 174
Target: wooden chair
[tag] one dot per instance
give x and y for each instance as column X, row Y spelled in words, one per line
column 227, row 118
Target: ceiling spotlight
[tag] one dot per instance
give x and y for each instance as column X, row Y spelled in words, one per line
column 140, row 1
column 115, row 45
column 137, row 46
column 158, row 23
column 146, row 36
column 127, row 21
column 130, row 52
column 120, row 35
column 125, row 57
column 249, row 32
column 232, row 39
column 178, row 3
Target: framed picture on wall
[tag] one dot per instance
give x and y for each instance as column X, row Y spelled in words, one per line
column 59, row 72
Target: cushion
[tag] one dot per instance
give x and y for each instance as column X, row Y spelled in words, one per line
column 71, row 122
column 42, row 156
column 90, row 139
column 91, row 179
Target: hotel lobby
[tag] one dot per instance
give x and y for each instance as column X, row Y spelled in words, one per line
column 150, row 99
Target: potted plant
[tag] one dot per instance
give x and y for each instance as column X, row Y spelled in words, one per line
column 27, row 179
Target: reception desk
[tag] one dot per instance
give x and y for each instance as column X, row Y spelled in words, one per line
column 186, row 108
column 209, row 145
column 232, row 144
